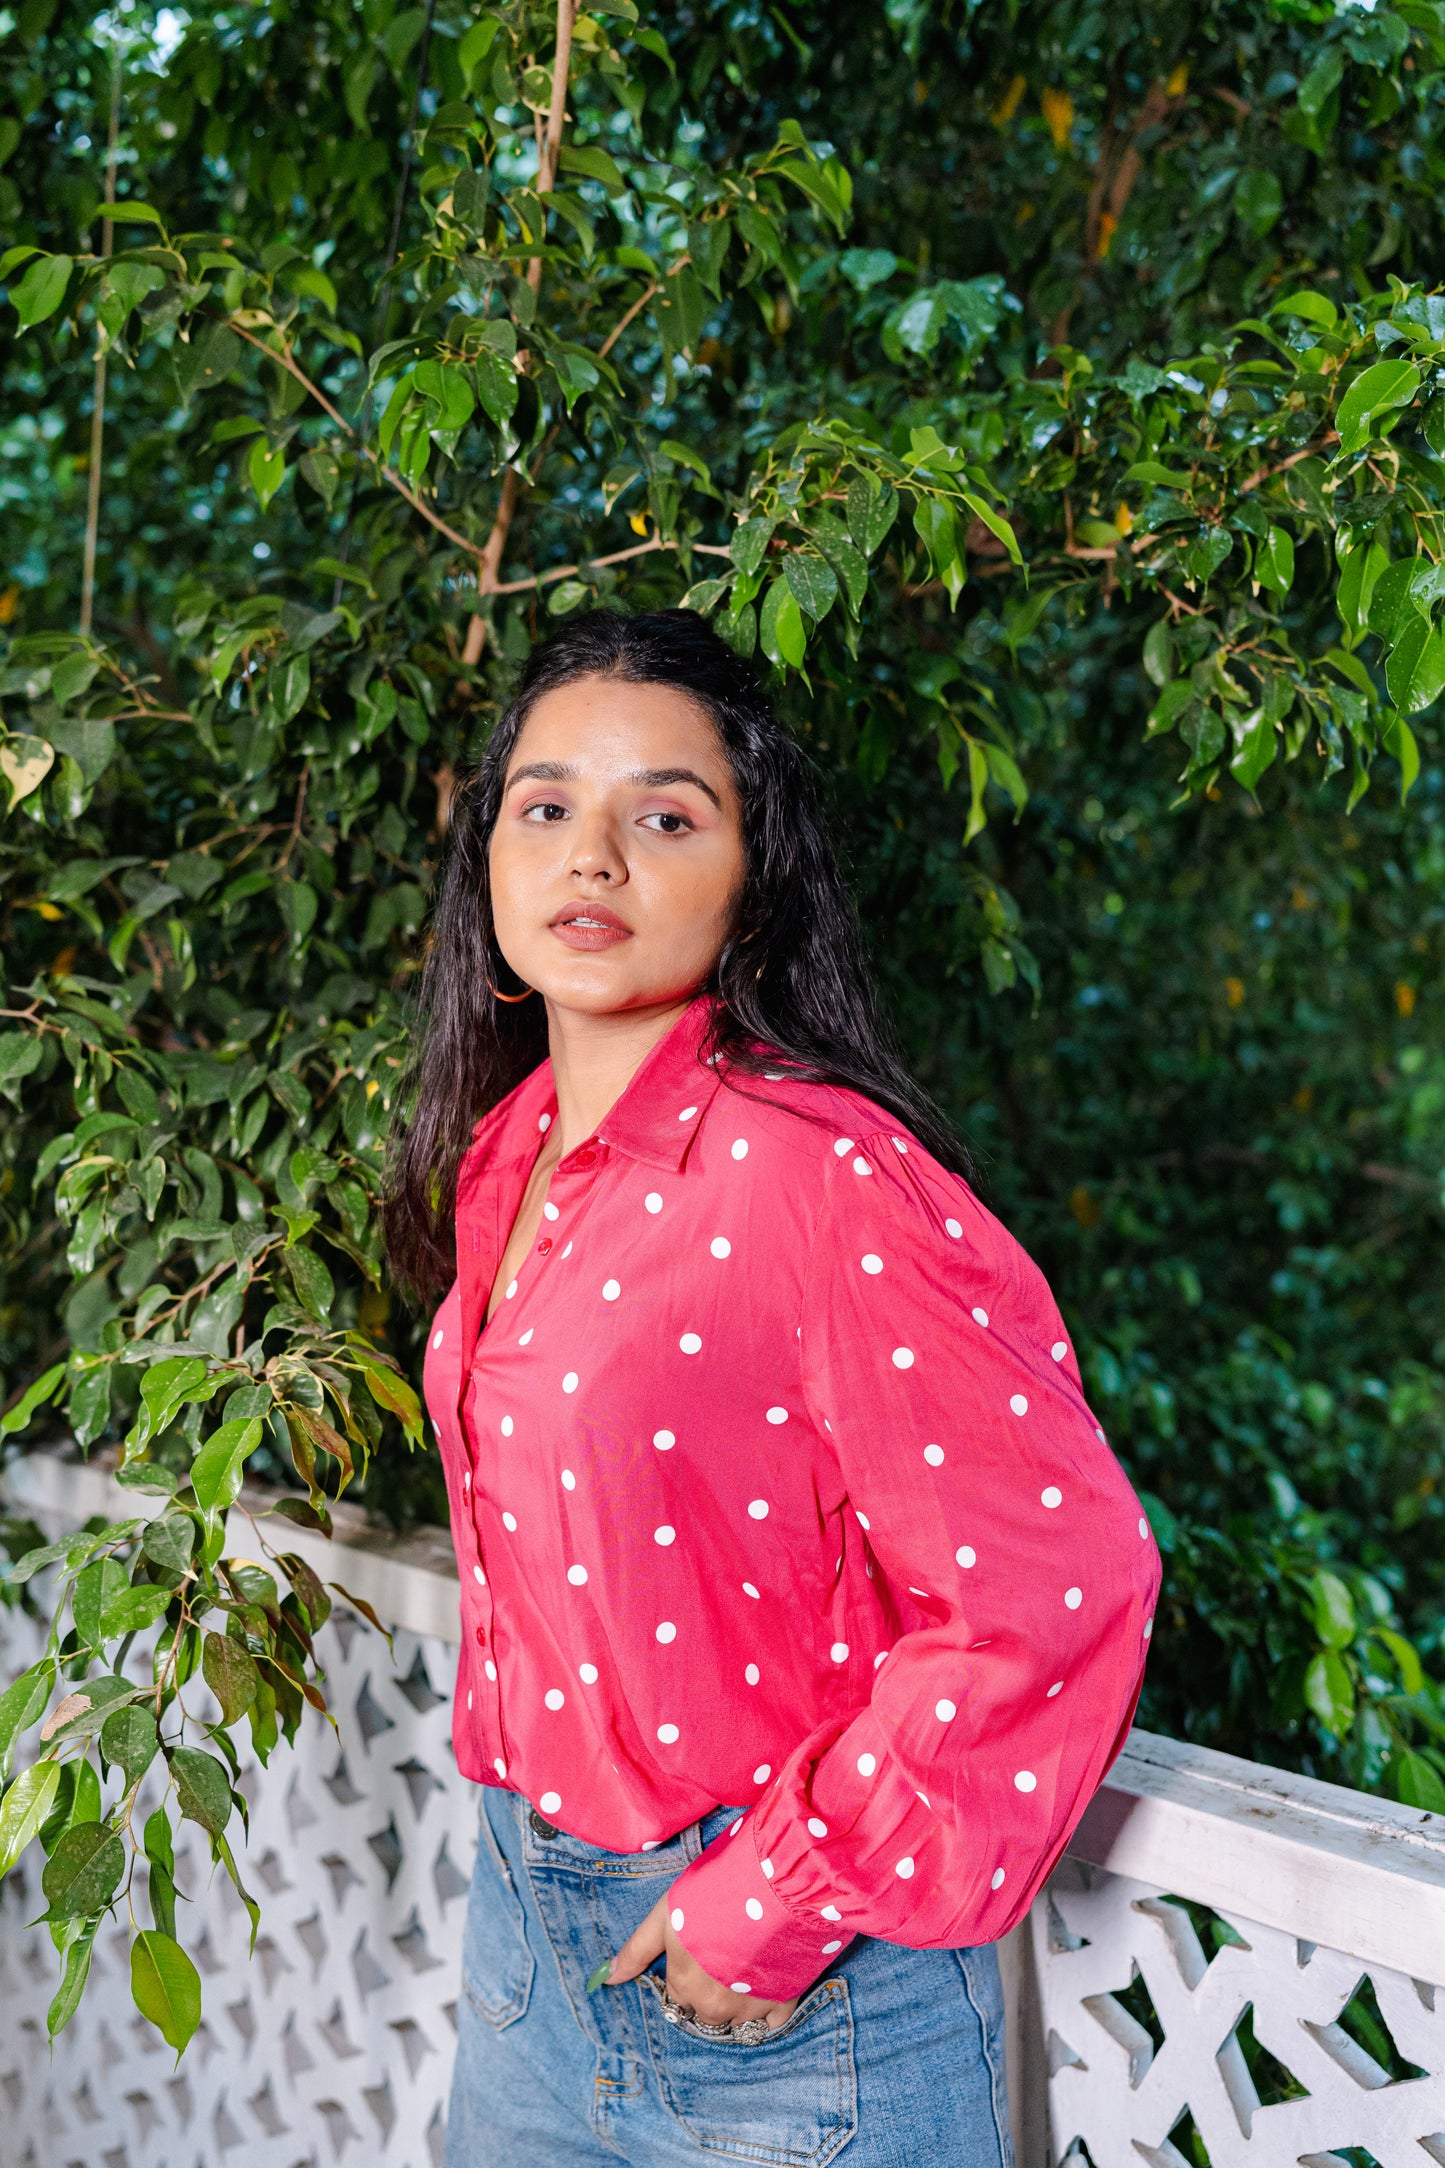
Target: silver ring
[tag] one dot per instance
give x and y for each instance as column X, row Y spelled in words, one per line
column 748, row 2031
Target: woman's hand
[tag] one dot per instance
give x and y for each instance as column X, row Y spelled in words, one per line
column 686, row 1980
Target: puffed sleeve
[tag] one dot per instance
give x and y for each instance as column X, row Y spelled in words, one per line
column 1017, row 1560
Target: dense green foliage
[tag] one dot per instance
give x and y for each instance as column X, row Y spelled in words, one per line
column 1053, row 403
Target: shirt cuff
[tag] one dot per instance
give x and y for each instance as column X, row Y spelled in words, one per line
column 743, row 1935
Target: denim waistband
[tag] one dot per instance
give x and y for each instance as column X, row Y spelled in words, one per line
column 702, row 1831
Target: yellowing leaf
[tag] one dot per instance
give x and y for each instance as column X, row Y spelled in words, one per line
column 1057, row 108
column 25, row 763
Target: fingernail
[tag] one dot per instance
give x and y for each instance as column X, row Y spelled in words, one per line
column 600, row 1976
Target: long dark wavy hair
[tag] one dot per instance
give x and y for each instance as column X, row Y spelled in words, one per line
column 793, row 989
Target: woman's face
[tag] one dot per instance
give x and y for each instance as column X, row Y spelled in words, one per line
column 617, row 856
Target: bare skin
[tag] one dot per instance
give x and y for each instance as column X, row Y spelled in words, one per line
column 616, row 863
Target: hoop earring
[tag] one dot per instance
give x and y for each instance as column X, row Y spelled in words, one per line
column 497, row 995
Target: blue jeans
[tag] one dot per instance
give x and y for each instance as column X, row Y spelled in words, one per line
column 893, row 2056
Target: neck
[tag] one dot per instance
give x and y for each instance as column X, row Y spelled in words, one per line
column 595, row 1058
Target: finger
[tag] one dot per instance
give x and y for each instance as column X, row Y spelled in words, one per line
column 647, row 1941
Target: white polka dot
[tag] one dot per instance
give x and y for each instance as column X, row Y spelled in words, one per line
column 568, row 1251
column 550, row 1802
column 587, row 1673
column 749, row 1590
column 500, row 1766
column 550, row 1211
column 569, row 1481
column 777, row 1415
column 491, row 1670
column 466, row 1479
column 867, row 1763
column 576, row 1575
column 1059, row 1350
column 1143, row 1528
column 720, row 1246
column 763, row 1771
column 752, row 1674
column 758, row 1509
column 478, row 1575
column 954, row 1227
column 740, row 1987
column 740, row 1148
column 667, row 1631
column 650, row 1844
column 569, row 1383
column 507, row 1426
column 664, row 1535
column 1099, row 1434
column 526, row 1337
column 691, row 1343
column 980, row 1317
column 653, row 1201
column 903, row 1358
column 998, row 1879
column 469, row 1700
column 817, row 1827
column 945, row 1711
column 839, row 1652
column 843, row 1146
column 872, row 1264
column 966, row 1555
column 509, row 1521
column 510, row 1292
column 831, row 1912
column 687, row 1114
column 767, row 1867
column 1148, row 1628
column 753, row 1909
column 904, row 1867
column 1019, row 1404
column 674, row 1919
column 544, row 1123
column 880, row 1658
column 1056, row 1688
column 1026, row 1781
column 861, row 1166
column 863, row 1520
column 554, row 1697
column 1073, row 1597
column 664, row 1440
column 1051, row 1497
column 830, row 1947
column 772, row 1076
column 668, row 1734
column 611, row 1289
column 436, row 1339
column 933, row 1454
column 899, row 1145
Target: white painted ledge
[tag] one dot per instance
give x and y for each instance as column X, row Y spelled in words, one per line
column 1329, row 1865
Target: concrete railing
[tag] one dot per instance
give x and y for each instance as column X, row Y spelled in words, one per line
column 1234, row 1964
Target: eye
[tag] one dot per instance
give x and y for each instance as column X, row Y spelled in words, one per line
column 546, row 810
column 667, row 824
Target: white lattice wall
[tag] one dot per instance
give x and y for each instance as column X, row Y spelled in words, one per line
column 335, row 2043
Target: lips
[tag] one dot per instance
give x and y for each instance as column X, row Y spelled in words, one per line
column 590, row 926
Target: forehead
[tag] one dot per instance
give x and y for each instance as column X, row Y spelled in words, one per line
column 600, row 724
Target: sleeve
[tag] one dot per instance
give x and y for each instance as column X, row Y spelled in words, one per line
column 1015, row 1561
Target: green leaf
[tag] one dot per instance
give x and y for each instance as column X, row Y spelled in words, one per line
column 872, row 509
column 84, row 1871
column 231, row 1675
column 165, row 1986
column 1329, row 1692
column 216, row 1471
column 814, row 584
column 780, row 627
column 315, row 1288
column 202, row 1788
column 96, row 1587
column 1257, row 749
column 24, row 1808
column 995, row 523
column 267, row 470
column 1358, row 573
column 129, row 1738
column 129, row 212
column 590, row 160
column 66, row 2000
column 1398, row 738
column 1377, row 390
column 1418, row 1783
column 45, row 1386
column 749, row 544
column 20, row 1705
column 1274, row 561
column 1334, row 1611
column 1309, row 306
column 41, row 291
column 1322, row 79
column 1415, row 672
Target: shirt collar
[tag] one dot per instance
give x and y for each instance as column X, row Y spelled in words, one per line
column 654, row 1120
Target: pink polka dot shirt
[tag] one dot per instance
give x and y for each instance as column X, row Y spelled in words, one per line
column 772, row 1482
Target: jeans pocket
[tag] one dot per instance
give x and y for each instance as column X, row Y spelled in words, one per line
column 497, row 1966
column 790, row 2100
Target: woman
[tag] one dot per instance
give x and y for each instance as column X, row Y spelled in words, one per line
column 804, row 1606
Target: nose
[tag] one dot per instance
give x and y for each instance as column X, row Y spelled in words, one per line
column 597, row 851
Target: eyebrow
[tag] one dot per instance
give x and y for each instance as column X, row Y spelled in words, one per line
column 557, row 771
